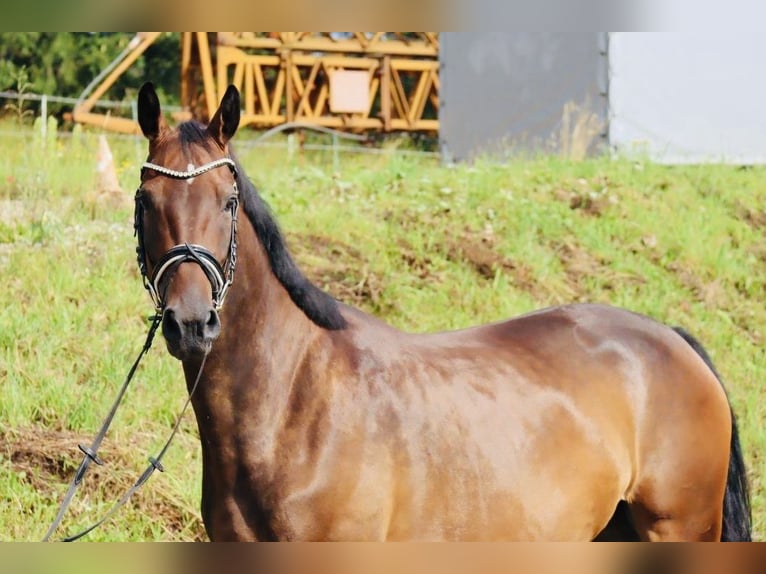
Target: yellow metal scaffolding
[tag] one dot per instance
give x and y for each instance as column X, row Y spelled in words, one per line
column 357, row 81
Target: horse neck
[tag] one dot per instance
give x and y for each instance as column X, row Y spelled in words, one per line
column 264, row 337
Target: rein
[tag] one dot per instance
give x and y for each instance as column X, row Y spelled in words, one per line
column 90, row 454
column 155, row 463
column 220, row 279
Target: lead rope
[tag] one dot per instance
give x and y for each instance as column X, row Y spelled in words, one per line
column 90, row 453
column 155, row 463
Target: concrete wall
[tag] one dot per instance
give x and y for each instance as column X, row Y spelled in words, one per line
column 505, row 92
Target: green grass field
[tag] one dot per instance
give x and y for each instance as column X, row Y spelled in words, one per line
column 424, row 246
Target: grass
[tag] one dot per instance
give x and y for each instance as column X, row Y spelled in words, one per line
column 424, row 246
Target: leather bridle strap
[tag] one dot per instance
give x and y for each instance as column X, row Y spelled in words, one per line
column 189, row 252
column 175, row 174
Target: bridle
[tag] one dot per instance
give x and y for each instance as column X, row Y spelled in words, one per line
column 220, row 277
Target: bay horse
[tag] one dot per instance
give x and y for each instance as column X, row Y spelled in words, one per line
column 320, row 422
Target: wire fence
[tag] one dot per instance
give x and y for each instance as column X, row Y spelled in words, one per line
column 338, row 142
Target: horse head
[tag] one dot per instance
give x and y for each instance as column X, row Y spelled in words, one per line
column 185, row 218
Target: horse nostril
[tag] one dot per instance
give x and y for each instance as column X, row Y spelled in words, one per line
column 212, row 325
column 171, row 329
column 194, row 332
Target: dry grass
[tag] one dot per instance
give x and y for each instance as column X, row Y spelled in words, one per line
column 580, row 131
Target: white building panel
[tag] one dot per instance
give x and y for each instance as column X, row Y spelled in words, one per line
column 681, row 97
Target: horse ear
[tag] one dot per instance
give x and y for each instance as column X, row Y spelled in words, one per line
column 150, row 116
column 226, row 119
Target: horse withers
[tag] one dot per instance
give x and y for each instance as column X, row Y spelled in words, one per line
column 320, row 422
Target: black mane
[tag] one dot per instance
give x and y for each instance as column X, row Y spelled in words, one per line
column 193, row 132
column 318, row 306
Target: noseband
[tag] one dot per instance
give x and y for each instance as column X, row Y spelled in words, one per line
column 220, row 277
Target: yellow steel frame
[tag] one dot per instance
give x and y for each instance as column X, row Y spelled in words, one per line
column 391, row 43
column 284, row 77
column 82, row 112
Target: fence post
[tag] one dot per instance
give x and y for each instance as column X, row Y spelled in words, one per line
column 335, row 161
column 290, row 145
column 137, row 140
column 44, row 118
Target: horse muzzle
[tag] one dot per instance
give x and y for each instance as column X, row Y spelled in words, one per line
column 190, row 332
column 190, row 321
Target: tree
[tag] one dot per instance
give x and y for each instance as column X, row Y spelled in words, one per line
column 64, row 63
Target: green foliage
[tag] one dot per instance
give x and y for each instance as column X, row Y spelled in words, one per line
column 21, row 85
column 64, row 63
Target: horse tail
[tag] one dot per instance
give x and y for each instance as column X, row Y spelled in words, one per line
column 737, row 514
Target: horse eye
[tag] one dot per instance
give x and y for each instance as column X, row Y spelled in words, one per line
column 231, row 203
column 144, row 200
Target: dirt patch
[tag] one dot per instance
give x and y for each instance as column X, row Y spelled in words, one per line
column 47, row 461
column 479, row 252
column 36, row 455
column 759, row 250
column 587, row 201
column 323, row 246
column 362, row 291
column 711, row 293
column 419, row 265
column 714, row 294
column 577, row 265
column 755, row 218
column 344, row 271
column 580, row 264
column 340, row 269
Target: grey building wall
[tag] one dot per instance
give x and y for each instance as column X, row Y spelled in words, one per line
column 506, row 92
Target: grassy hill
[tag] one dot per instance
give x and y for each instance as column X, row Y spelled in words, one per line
column 424, row 246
